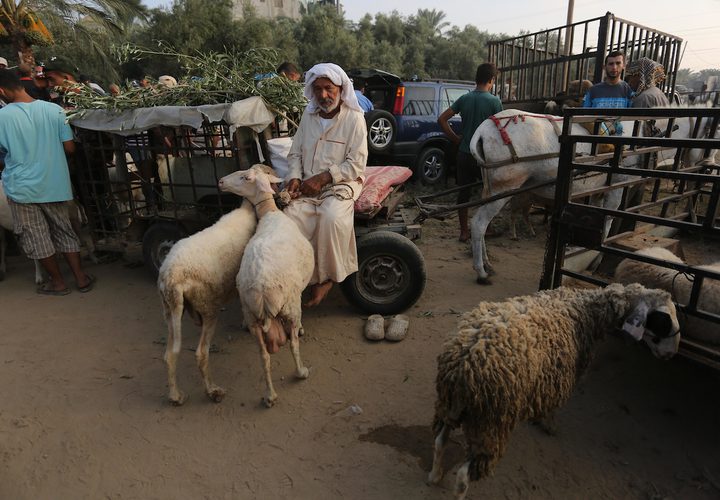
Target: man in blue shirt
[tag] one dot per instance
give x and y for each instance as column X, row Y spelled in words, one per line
column 613, row 92
column 35, row 138
column 365, row 103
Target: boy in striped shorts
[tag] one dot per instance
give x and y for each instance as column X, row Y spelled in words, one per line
column 35, row 138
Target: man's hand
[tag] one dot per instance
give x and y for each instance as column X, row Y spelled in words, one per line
column 313, row 185
column 445, row 126
column 293, row 188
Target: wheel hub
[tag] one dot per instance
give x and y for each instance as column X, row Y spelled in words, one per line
column 381, row 132
column 383, row 275
column 433, row 167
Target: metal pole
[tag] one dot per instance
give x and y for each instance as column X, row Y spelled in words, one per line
column 568, row 41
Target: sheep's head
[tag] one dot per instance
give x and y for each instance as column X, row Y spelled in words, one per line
column 249, row 183
column 648, row 315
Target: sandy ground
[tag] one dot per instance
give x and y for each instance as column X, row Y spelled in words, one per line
column 83, row 411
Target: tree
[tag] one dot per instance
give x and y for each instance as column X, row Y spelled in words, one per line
column 433, row 19
column 28, row 23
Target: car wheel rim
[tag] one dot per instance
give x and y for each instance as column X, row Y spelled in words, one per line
column 382, row 279
column 432, row 167
column 381, row 132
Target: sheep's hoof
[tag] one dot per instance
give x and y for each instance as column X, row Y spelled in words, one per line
column 461, row 489
column 483, row 281
column 303, row 373
column 178, row 400
column 434, row 478
column 269, row 402
column 217, row 394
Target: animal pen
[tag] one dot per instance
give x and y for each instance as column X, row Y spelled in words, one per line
column 538, row 67
column 683, row 200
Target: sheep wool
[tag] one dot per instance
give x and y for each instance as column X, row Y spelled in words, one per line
column 520, row 359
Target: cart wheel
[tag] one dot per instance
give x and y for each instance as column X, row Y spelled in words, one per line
column 390, row 277
column 157, row 242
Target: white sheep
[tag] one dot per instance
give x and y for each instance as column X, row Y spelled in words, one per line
column 678, row 284
column 519, row 359
column 198, row 276
column 277, row 266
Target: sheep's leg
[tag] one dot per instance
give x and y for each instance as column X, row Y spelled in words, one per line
column 462, row 482
column 202, row 355
column 3, row 244
column 436, row 474
column 300, row 370
column 173, row 318
column 39, row 276
column 526, row 216
column 270, row 395
column 513, row 226
column 480, row 222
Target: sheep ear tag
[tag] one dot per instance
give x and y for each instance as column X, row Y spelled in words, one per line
column 635, row 322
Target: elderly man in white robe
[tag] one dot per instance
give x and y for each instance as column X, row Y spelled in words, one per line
column 326, row 171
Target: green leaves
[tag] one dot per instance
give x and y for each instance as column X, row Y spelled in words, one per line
column 210, row 78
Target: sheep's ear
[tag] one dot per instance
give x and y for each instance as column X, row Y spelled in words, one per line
column 250, row 175
column 634, row 324
column 275, row 180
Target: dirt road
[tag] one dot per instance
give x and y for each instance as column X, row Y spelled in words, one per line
column 83, row 411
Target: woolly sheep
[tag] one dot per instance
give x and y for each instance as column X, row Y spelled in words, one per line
column 633, row 271
column 519, row 359
column 276, row 268
column 198, row 276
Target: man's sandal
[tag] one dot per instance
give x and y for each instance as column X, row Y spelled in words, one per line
column 375, row 327
column 398, row 328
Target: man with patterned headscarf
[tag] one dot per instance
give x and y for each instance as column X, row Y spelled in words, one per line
column 326, row 171
column 644, row 75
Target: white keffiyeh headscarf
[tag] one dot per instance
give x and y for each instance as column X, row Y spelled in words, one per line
column 335, row 74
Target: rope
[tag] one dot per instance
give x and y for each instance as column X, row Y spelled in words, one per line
column 337, row 191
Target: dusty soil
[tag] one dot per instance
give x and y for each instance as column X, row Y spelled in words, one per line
column 83, row 411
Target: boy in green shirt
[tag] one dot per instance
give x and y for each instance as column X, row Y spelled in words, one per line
column 474, row 108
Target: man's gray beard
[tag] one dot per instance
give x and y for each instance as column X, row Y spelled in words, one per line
column 332, row 107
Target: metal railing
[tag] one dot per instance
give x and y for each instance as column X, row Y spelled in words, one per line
column 539, row 66
column 686, row 198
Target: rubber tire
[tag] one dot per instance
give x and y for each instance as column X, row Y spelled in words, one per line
column 431, row 166
column 380, row 254
column 157, row 242
column 382, row 131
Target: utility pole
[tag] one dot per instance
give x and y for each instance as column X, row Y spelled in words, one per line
column 568, row 41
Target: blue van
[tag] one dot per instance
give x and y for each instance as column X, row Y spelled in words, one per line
column 403, row 127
